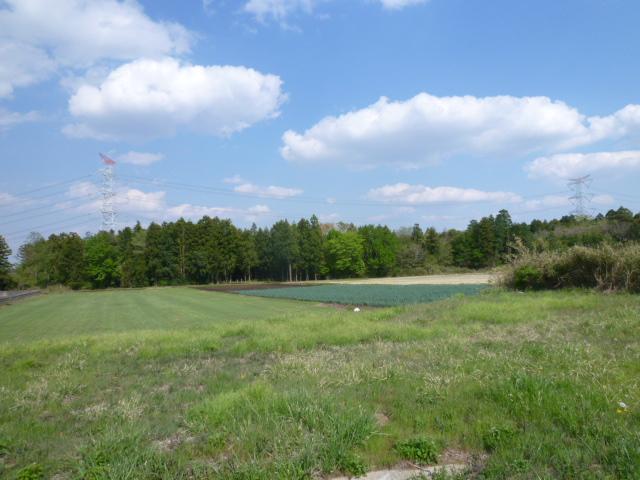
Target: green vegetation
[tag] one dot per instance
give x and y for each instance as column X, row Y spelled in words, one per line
column 213, row 250
column 604, row 267
column 150, row 310
column 180, row 383
column 374, row 295
column 5, row 266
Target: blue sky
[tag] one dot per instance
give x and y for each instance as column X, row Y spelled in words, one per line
column 383, row 111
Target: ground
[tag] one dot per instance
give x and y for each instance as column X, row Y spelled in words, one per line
column 183, row 383
column 446, row 279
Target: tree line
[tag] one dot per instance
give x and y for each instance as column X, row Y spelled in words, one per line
column 213, row 250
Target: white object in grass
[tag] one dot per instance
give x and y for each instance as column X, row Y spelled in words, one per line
column 356, row 309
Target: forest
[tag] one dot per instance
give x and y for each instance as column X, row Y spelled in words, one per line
column 213, row 250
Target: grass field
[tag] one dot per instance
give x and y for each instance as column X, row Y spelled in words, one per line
column 374, row 295
column 180, row 383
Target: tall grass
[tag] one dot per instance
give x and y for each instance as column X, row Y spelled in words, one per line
column 605, row 267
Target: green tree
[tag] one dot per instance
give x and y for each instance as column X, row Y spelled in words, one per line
column 380, row 247
column 6, row 281
column 284, row 249
column 133, row 268
column 247, row 252
column 344, row 254
column 503, row 233
column 102, row 260
column 431, row 241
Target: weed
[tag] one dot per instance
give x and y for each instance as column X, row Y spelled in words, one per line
column 419, row 449
column 30, row 472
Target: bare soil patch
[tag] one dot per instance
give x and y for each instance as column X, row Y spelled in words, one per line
column 448, row 279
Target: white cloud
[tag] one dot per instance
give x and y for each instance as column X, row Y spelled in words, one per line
column 235, row 180
column 82, row 189
column 567, row 165
column 277, row 10
column 280, row 10
column 420, row 194
column 21, row 65
column 329, row 217
column 143, row 159
column 126, row 200
column 400, row 4
column 604, row 199
column 132, row 202
column 549, row 202
column 9, row 119
column 7, row 199
column 152, row 98
column 195, row 212
column 426, row 129
column 270, row 191
column 36, row 37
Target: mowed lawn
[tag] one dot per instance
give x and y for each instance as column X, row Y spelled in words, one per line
column 179, row 383
column 113, row 311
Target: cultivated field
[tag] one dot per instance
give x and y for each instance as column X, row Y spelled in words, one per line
column 182, row 383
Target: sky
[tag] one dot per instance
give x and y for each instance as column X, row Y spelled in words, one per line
column 367, row 111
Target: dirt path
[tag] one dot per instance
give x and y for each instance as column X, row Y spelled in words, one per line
column 448, row 279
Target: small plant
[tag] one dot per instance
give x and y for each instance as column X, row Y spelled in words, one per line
column 31, row 472
column 496, row 436
column 419, row 449
column 353, row 465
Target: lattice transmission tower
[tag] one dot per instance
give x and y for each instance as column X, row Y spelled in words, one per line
column 581, row 197
column 108, row 194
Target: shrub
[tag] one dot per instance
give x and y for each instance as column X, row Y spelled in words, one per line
column 527, row 277
column 605, row 267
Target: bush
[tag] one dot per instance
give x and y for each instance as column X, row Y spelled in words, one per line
column 605, row 267
column 527, row 277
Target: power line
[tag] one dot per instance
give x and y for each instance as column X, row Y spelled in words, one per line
column 46, row 187
column 301, row 199
column 59, row 209
column 56, row 223
column 91, row 196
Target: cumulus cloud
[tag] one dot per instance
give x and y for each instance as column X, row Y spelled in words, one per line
column 567, row 165
column 37, row 37
column 126, row 200
column 152, row 98
column 420, row 194
column 9, row 119
column 142, row 159
column 270, row 191
column 427, row 128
